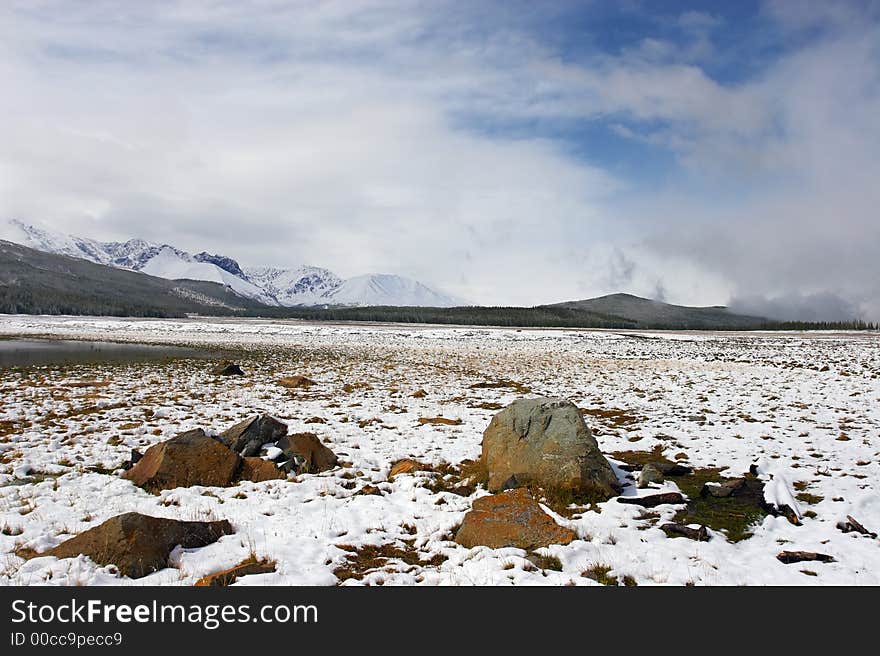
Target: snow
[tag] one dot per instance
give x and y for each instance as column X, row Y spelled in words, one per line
column 724, row 400
column 168, row 264
column 298, row 285
column 387, row 289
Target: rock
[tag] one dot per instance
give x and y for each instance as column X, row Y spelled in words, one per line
column 439, row 421
column 296, row 382
column 789, row 557
column 673, row 468
column 133, row 459
column 258, row 470
column 314, row 456
column 732, row 488
column 545, row 442
column 511, row 519
column 851, row 524
column 227, row 368
column 228, row 576
column 405, row 466
column 700, row 534
column 248, row 437
column 139, row 544
column 653, row 499
column 191, row 458
column 649, row 474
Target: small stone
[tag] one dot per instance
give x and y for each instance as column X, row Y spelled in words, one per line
column 653, row 499
column 227, row 368
column 700, row 534
column 649, row 474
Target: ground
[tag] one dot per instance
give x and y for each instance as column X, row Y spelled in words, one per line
column 804, row 407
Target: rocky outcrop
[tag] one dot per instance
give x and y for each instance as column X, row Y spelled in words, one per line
column 511, row 519
column 139, row 544
column 545, row 442
column 191, row 458
column 247, row 437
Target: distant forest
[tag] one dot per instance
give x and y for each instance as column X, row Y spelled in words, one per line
column 19, row 301
column 82, row 302
column 535, row 317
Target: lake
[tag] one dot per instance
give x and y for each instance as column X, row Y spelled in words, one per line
column 26, row 352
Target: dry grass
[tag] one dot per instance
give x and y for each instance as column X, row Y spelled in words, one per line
column 360, row 561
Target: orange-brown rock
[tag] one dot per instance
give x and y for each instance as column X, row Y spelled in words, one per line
column 139, row 544
column 511, row 519
column 258, row 470
column 296, row 382
column 405, row 466
column 191, row 458
column 308, row 448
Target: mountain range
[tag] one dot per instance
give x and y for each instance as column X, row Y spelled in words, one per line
column 38, row 282
column 275, row 286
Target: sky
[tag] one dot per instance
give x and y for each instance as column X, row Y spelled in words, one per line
column 504, row 152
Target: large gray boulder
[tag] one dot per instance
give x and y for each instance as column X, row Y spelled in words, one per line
column 545, row 442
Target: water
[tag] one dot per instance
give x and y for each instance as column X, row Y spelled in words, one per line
column 26, row 352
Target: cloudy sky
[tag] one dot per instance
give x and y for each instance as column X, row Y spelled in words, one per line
column 506, row 152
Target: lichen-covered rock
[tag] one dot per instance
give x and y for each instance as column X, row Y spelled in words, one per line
column 510, row 519
column 545, row 442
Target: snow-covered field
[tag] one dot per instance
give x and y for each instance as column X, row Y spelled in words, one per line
column 806, row 407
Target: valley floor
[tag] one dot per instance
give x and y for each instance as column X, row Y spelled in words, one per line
column 805, row 407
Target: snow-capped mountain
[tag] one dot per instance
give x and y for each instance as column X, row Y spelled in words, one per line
column 387, row 289
column 298, row 285
column 160, row 260
column 302, row 285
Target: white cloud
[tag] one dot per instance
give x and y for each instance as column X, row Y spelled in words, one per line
column 334, row 133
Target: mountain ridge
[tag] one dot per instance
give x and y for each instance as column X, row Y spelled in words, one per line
column 36, row 282
column 290, row 286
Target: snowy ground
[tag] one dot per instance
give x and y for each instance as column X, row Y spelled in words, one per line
column 806, row 406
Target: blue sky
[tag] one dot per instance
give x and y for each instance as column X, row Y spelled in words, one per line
column 508, row 152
